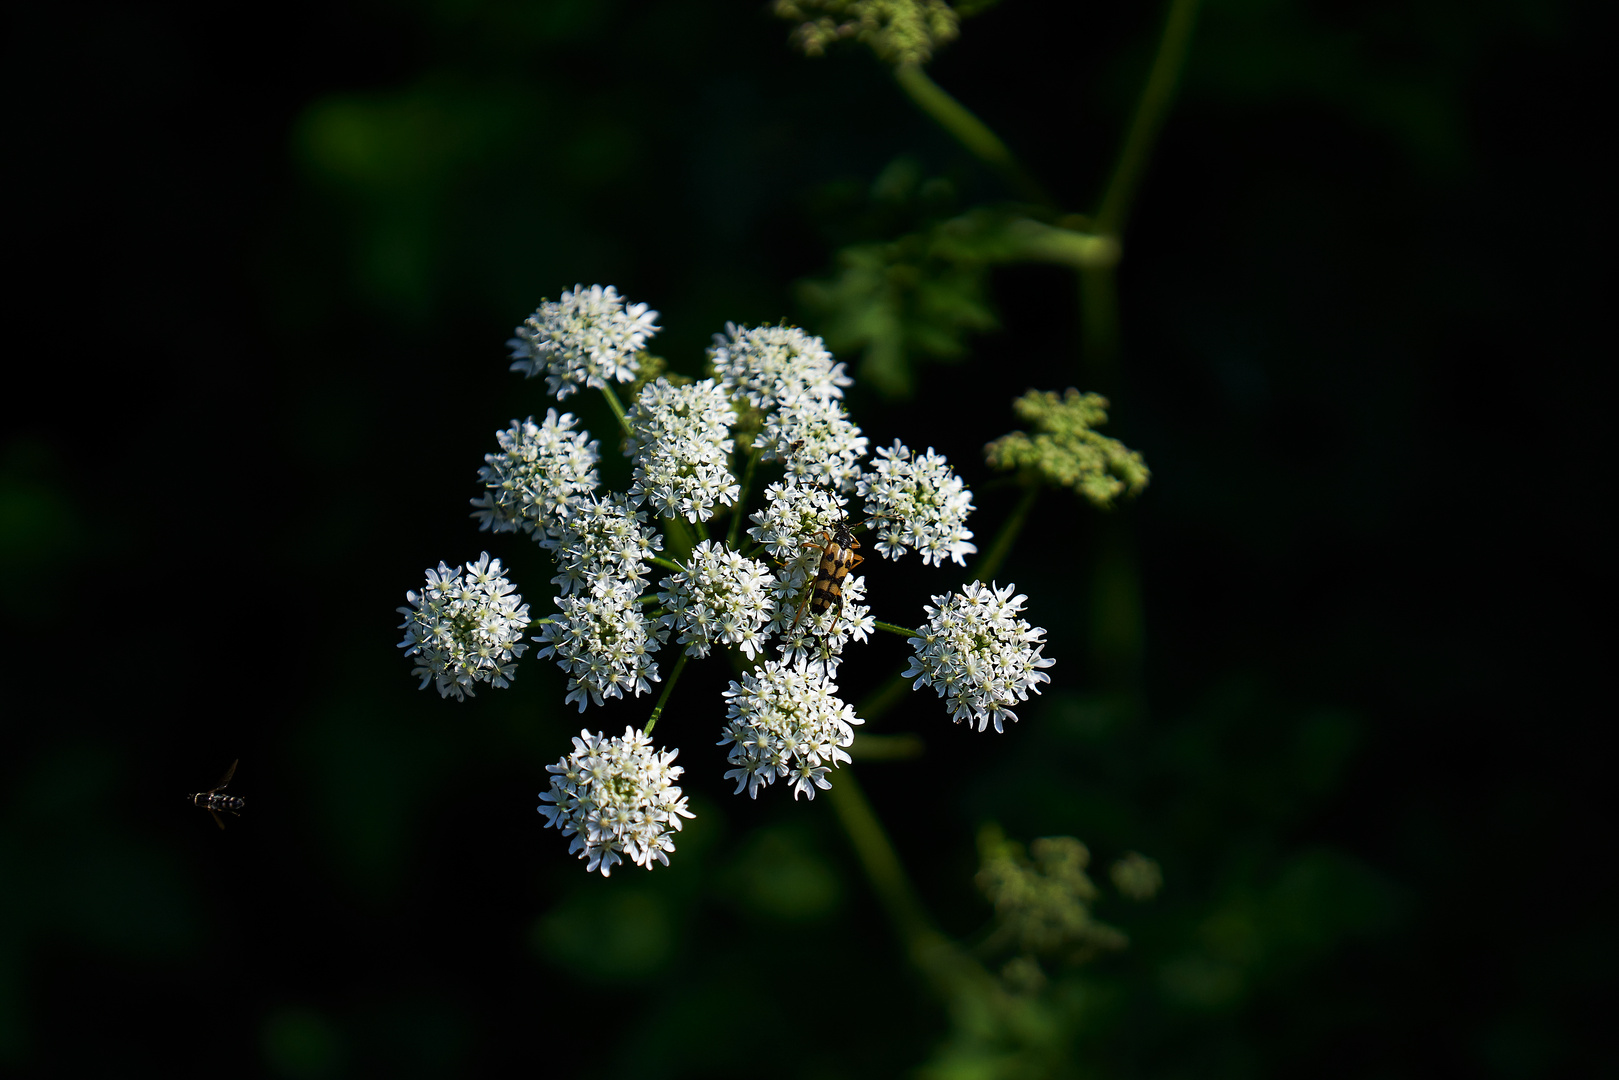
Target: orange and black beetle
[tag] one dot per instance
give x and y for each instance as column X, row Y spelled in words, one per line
column 837, row 559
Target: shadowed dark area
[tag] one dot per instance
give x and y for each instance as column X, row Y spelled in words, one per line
column 265, row 282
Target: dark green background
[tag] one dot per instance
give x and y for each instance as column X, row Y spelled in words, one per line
column 262, row 277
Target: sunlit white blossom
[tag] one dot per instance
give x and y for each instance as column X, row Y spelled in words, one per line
column 539, row 476
column 916, row 501
column 979, row 654
column 465, row 627
column 680, row 439
column 617, row 798
column 720, row 598
column 764, row 364
column 605, row 644
column 785, row 721
column 815, row 439
column 602, row 546
column 794, row 515
column 587, row 338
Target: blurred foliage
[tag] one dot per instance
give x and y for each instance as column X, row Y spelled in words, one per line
column 1066, row 451
column 1042, row 903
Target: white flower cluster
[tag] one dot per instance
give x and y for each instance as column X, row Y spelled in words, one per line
column 465, row 630
column 720, row 598
column 786, row 721
column 815, row 439
column 680, row 439
column 616, row 797
column 585, row 339
column 538, row 477
column 978, row 654
column 766, row 364
column 917, row 503
column 604, row 643
column 602, row 547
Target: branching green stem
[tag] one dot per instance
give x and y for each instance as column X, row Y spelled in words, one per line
column 892, row 629
column 970, row 131
column 667, row 564
column 663, row 698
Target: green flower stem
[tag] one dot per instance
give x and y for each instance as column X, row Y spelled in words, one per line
column 663, row 698
column 883, row 700
column 667, row 564
column 617, row 407
column 542, row 622
column 1001, row 546
column 970, row 131
column 1156, row 97
column 741, row 500
column 680, row 538
column 903, row 747
column 892, row 629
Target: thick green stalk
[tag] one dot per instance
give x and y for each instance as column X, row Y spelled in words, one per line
column 990, row 564
column 970, row 131
column 1156, row 97
column 900, row 630
column 880, row 861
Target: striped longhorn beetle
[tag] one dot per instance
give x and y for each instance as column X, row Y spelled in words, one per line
column 838, row 557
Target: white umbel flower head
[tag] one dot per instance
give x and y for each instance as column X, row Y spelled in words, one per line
column 539, row 476
column 720, row 598
column 815, row 439
column 785, row 721
column 917, row 502
column 585, row 339
column 602, row 547
column 604, row 643
column 617, row 798
column 978, row 654
column 680, row 439
column 764, row 364
column 465, row 629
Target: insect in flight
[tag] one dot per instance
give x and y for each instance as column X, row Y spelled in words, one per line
column 217, row 804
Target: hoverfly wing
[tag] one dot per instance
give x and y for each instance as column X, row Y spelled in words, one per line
column 230, row 772
column 217, row 820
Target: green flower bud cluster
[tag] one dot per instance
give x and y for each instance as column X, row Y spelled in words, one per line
column 898, row 31
column 1066, row 451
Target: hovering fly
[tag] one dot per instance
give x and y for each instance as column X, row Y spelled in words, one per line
column 217, row 804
